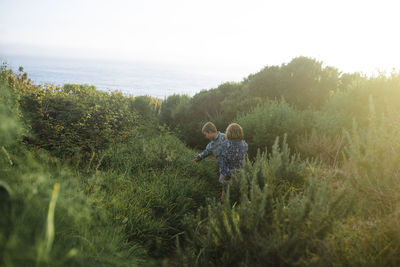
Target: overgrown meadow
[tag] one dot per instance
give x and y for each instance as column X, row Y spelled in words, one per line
column 93, row 178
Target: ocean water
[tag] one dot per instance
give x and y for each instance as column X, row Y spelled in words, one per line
column 133, row 78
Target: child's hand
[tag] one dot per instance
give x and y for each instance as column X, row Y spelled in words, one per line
column 196, row 160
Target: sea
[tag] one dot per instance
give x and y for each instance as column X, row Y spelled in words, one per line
column 128, row 77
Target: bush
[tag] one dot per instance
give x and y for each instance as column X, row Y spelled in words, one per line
column 171, row 108
column 46, row 219
column 271, row 120
column 80, row 120
column 370, row 235
column 148, row 107
column 326, row 149
column 11, row 128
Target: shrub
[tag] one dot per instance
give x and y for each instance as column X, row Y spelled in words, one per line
column 326, row 149
column 271, row 120
column 370, row 235
column 148, row 107
column 11, row 128
column 46, row 219
column 171, row 108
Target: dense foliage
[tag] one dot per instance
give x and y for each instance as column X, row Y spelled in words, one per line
column 302, row 83
column 92, row 178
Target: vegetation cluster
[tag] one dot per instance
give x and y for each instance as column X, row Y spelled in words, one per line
column 92, row 178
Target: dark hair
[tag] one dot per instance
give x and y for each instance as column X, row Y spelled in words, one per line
column 209, row 127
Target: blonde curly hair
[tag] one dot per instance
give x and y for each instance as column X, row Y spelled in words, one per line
column 234, row 131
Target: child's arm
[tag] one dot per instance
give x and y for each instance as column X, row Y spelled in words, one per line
column 207, row 152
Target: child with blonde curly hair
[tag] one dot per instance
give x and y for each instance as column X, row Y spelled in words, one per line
column 232, row 151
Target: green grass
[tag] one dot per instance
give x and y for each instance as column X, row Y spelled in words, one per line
column 325, row 193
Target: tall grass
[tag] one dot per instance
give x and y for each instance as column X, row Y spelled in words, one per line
column 150, row 185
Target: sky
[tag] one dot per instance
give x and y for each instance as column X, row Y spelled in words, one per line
column 232, row 35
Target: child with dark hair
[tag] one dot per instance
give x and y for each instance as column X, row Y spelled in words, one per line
column 216, row 138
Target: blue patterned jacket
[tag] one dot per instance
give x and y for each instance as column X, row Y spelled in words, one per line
column 212, row 148
column 232, row 153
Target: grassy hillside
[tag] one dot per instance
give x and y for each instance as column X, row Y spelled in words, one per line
column 115, row 194
column 89, row 178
